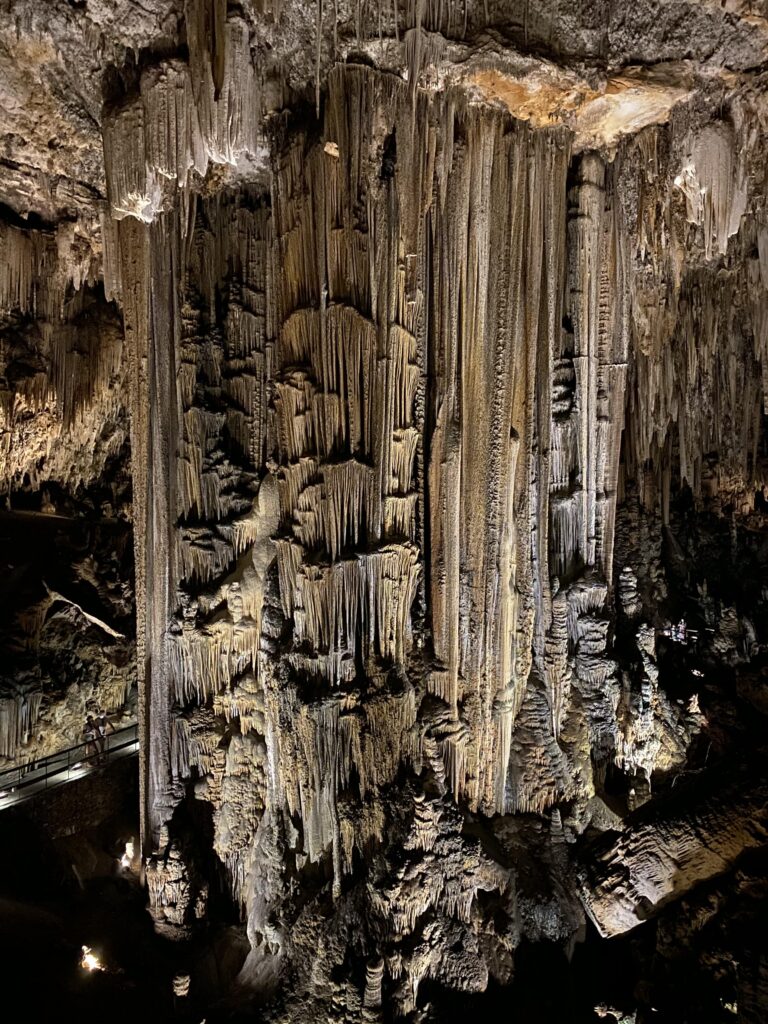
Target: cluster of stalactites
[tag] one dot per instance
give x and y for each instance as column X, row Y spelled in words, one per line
column 696, row 394
column 62, row 417
column 701, row 397
column 193, row 287
column 38, row 268
column 18, row 716
column 499, row 232
column 203, row 663
column 332, row 743
column 713, row 181
column 345, row 398
column 526, row 437
column 227, row 258
column 185, row 116
column 224, row 531
column 83, row 365
column 526, row 431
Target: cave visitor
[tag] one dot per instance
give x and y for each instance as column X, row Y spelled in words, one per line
column 90, row 733
column 104, row 728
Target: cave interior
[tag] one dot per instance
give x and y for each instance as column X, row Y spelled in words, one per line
column 383, row 444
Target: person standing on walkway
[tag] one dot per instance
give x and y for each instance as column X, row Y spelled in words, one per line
column 90, row 734
column 103, row 727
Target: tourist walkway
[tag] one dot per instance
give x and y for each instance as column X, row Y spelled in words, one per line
column 29, row 780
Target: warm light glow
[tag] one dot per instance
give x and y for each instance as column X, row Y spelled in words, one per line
column 89, row 961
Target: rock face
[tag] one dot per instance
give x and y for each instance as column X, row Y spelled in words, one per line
column 424, row 347
column 691, row 838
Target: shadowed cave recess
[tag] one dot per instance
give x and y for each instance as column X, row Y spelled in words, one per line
column 383, row 431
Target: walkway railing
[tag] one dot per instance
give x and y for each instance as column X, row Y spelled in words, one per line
column 27, row 780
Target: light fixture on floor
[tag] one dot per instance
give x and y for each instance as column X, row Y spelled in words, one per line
column 89, row 961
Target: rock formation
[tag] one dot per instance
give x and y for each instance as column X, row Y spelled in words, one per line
column 425, row 347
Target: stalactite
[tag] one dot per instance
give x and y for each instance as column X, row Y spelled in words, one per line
column 704, row 383
column 713, row 185
column 30, row 278
column 556, row 662
column 223, row 80
column 62, row 417
column 18, row 716
column 184, row 117
column 497, row 387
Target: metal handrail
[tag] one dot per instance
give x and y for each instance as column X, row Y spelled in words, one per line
column 69, row 760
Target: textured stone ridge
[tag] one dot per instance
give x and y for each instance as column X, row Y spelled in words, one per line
column 437, row 333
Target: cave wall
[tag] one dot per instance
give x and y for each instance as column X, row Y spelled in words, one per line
column 67, row 588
